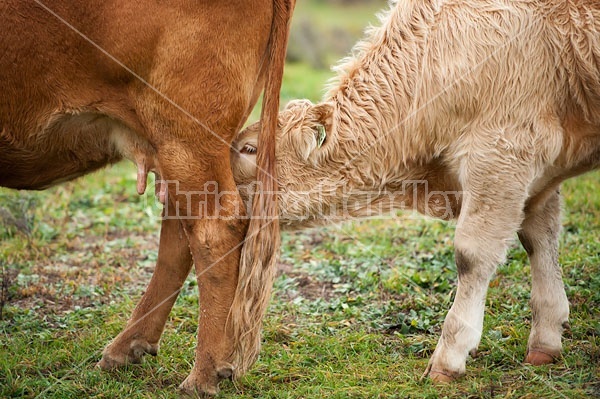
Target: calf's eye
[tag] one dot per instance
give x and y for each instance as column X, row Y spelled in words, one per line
column 248, row 149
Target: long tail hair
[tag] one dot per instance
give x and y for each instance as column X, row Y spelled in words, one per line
column 258, row 262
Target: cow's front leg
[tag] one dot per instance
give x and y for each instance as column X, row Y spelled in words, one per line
column 549, row 304
column 490, row 216
column 144, row 328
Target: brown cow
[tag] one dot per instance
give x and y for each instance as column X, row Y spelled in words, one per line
column 490, row 105
column 166, row 85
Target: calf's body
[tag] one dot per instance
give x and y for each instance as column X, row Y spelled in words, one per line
column 166, row 85
column 471, row 110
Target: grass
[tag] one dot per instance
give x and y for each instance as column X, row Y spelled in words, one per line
column 355, row 313
column 356, row 310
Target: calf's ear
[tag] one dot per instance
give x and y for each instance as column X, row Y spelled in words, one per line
column 323, row 115
column 313, row 127
column 321, row 135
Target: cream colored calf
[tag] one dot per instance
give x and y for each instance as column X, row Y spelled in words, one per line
column 496, row 100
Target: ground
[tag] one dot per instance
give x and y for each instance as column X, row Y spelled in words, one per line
column 356, row 310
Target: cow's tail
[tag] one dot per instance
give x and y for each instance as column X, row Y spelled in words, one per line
column 258, row 261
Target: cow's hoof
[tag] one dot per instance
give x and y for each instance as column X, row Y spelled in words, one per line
column 191, row 387
column 207, row 384
column 536, row 357
column 113, row 358
column 109, row 363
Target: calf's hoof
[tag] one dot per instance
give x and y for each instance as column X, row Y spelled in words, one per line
column 441, row 377
column 537, row 357
column 114, row 357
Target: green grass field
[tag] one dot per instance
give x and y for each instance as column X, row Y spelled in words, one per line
column 356, row 310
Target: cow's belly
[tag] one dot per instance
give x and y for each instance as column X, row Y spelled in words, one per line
column 70, row 146
column 37, row 169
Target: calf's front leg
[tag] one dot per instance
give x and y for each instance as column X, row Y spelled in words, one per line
column 490, row 216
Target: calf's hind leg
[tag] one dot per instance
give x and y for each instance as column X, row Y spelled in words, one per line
column 144, row 328
column 549, row 304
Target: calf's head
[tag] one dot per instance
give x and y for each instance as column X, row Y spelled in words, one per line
column 307, row 175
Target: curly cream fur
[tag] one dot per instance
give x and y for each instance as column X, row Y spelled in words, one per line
column 442, row 79
column 497, row 100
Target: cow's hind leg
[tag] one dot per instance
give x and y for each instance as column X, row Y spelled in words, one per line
column 490, row 216
column 549, row 305
column 217, row 245
column 213, row 216
column 144, row 328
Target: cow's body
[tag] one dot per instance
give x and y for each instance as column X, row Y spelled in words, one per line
column 498, row 101
column 70, row 105
column 166, row 85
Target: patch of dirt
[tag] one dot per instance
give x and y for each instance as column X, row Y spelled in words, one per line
column 94, row 268
column 91, row 270
column 307, row 287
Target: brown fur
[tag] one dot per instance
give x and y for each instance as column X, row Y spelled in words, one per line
column 166, row 85
column 498, row 101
